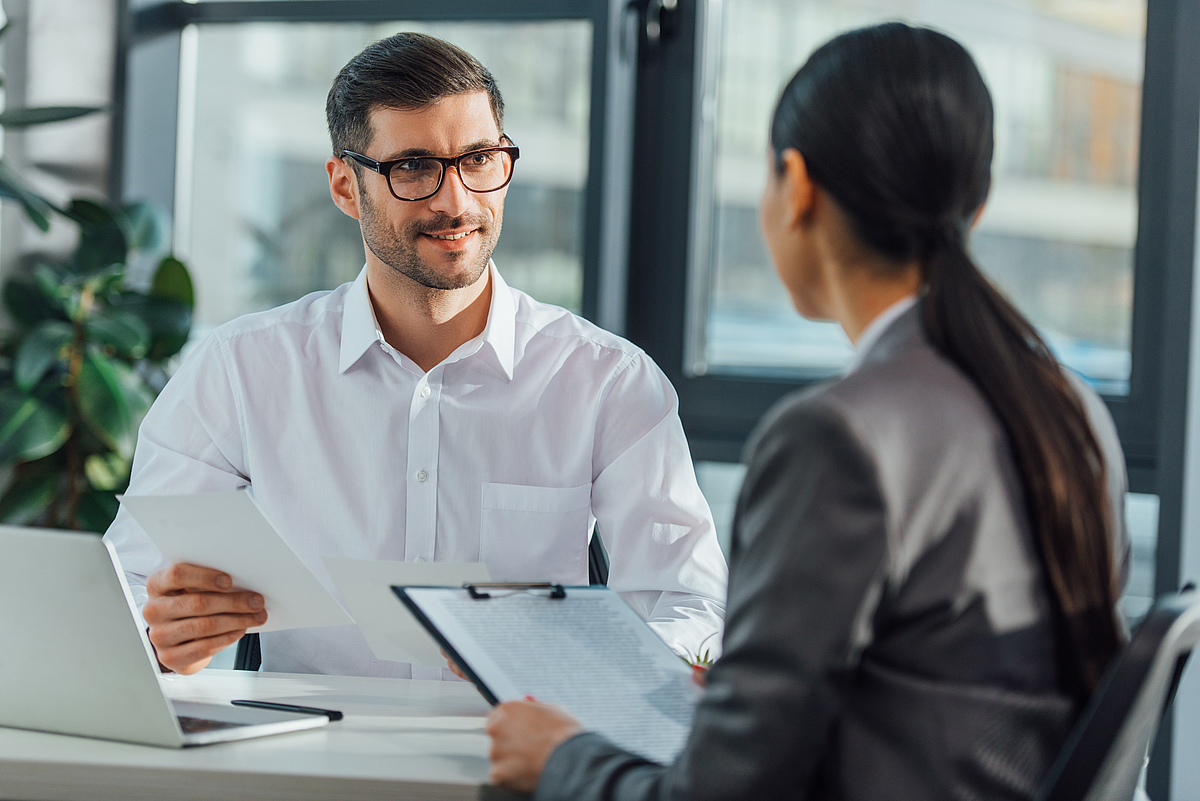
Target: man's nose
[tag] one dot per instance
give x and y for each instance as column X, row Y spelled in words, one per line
column 452, row 198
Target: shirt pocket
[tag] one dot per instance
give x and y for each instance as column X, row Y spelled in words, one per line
column 535, row 533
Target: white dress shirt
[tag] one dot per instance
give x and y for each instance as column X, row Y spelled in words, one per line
column 504, row 453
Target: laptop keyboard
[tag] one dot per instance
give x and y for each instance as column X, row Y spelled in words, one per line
column 197, row 725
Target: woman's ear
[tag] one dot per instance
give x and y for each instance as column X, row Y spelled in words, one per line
column 799, row 189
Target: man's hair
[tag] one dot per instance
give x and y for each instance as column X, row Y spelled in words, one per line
column 409, row 71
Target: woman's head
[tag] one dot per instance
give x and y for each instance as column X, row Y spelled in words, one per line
column 895, row 123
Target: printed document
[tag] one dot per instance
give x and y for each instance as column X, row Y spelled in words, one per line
column 589, row 653
column 228, row 532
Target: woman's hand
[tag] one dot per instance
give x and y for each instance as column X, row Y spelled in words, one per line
column 524, row 734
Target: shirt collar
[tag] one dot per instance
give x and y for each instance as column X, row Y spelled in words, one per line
column 360, row 329
column 874, row 331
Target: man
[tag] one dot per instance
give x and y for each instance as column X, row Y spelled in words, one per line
column 425, row 411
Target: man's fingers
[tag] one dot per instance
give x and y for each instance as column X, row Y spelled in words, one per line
column 177, row 632
column 181, row 576
column 192, row 656
column 166, row 608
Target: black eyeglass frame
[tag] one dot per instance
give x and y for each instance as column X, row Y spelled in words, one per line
column 384, row 168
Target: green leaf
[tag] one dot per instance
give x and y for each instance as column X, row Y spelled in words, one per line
column 102, row 241
column 96, row 511
column 25, row 299
column 169, row 322
column 172, row 281
column 123, row 331
column 39, row 350
column 14, row 187
column 25, row 117
column 112, row 401
column 90, row 212
column 28, row 496
column 106, row 471
column 30, row 428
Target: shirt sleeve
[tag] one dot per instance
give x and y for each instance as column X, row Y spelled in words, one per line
column 808, row 563
column 190, row 441
column 664, row 558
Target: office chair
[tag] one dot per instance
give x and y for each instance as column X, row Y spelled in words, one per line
column 1105, row 752
column 249, row 653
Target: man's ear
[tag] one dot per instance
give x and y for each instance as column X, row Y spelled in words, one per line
column 342, row 186
column 799, row 189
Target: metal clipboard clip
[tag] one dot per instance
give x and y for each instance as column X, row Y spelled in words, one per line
column 473, row 588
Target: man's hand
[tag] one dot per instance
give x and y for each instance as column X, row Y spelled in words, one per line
column 193, row 614
column 524, row 735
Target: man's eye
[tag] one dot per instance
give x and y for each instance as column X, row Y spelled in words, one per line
column 481, row 159
column 413, row 166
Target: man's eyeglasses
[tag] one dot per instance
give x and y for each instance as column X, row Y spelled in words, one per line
column 420, row 177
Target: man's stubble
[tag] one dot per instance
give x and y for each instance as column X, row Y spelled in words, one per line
column 400, row 252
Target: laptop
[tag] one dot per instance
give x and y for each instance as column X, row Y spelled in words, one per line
column 74, row 660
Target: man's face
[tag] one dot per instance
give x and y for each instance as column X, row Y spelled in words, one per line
column 442, row 242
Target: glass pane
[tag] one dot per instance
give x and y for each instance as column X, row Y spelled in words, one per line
column 1058, row 232
column 253, row 213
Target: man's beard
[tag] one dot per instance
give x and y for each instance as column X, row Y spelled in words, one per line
column 400, row 252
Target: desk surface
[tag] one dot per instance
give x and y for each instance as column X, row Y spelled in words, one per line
column 399, row 739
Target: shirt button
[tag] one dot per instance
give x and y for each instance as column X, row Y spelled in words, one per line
column 421, row 476
column 419, row 559
column 426, row 392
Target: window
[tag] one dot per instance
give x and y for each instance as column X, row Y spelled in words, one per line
column 1058, row 231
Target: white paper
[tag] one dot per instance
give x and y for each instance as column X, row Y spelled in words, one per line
column 390, row 629
column 589, row 653
column 228, row 532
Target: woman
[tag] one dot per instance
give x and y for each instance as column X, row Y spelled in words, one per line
column 923, row 574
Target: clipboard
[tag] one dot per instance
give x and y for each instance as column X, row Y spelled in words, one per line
column 582, row 648
column 478, row 591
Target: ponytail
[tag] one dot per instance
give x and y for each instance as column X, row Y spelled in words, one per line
column 1059, row 460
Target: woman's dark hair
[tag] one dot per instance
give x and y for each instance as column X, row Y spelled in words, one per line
column 895, row 123
column 404, row 71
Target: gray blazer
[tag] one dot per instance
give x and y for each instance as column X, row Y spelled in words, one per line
column 889, row 630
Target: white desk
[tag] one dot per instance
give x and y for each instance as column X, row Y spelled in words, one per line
column 399, row 739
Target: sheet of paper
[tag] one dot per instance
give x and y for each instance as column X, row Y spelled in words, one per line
column 227, row 531
column 390, row 629
column 589, row 653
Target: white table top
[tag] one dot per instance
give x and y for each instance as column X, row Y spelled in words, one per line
column 399, row 739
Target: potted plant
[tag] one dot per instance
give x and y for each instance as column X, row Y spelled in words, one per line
column 82, row 365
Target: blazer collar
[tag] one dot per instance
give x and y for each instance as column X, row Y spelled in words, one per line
column 904, row 332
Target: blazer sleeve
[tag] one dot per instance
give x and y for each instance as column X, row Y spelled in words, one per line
column 808, row 565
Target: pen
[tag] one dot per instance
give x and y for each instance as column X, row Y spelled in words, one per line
column 332, row 714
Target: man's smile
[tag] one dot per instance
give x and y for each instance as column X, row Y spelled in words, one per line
column 451, row 240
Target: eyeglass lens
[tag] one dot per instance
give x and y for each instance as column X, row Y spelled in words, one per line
column 484, row 171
